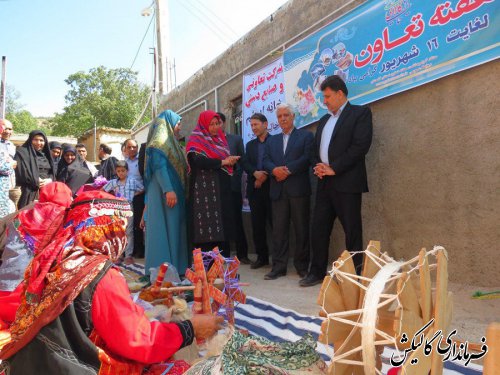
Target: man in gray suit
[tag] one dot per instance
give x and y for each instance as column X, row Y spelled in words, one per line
column 287, row 160
column 236, row 149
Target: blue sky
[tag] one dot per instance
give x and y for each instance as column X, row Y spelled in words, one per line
column 47, row 40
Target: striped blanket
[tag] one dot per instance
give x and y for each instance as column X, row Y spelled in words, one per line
column 278, row 324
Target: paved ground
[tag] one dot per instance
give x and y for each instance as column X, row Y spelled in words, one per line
column 470, row 316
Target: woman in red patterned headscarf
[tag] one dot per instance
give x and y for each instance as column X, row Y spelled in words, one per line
column 27, row 232
column 210, row 189
column 76, row 314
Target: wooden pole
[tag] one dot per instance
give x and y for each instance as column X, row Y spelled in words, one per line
column 492, row 358
column 95, row 139
column 3, row 98
column 174, row 289
column 155, row 83
column 161, row 44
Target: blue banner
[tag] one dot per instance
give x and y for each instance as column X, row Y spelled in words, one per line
column 387, row 46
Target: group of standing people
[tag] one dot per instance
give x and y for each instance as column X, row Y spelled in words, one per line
column 189, row 192
column 57, row 255
column 26, row 168
column 36, row 163
column 188, row 198
column 69, row 310
column 278, row 186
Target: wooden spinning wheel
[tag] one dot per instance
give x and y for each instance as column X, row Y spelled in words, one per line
column 365, row 313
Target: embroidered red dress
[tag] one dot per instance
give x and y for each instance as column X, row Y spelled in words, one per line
column 76, row 315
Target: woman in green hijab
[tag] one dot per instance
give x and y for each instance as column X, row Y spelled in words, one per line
column 165, row 181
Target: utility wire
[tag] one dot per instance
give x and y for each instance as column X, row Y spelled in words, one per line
column 142, row 41
column 153, row 62
column 193, row 12
column 214, row 25
column 138, row 120
column 214, row 31
column 150, row 97
column 217, row 17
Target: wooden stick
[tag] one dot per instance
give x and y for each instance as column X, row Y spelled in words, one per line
column 161, row 275
column 158, row 301
column 174, row 289
column 425, row 286
column 350, row 291
column 219, row 284
column 187, row 287
column 441, row 307
column 492, row 359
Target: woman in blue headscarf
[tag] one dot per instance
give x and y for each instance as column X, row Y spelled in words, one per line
column 165, row 182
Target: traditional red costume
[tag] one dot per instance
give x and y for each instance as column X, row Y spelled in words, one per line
column 76, row 314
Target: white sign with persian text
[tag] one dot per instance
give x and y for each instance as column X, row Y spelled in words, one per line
column 263, row 90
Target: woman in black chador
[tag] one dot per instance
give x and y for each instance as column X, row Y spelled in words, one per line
column 35, row 167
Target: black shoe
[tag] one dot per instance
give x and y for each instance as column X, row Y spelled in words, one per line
column 273, row 275
column 310, row 280
column 258, row 264
column 244, row 260
column 302, row 274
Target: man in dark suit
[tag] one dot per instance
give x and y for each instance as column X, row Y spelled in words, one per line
column 108, row 162
column 142, row 159
column 258, row 188
column 342, row 140
column 236, row 149
column 287, row 159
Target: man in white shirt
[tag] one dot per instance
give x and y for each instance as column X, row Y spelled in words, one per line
column 5, row 143
column 132, row 159
column 343, row 139
column 82, row 151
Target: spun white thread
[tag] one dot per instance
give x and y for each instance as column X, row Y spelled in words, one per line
column 342, row 276
column 369, row 320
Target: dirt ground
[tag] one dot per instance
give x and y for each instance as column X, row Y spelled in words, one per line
column 470, row 316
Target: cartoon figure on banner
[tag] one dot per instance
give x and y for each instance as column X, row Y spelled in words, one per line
column 343, row 60
column 318, row 74
column 326, row 56
column 308, row 98
column 306, row 102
